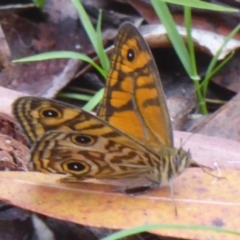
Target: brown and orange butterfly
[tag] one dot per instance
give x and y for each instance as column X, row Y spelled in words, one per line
column 130, row 138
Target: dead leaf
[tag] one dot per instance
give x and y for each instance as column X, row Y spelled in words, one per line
column 7, row 98
column 225, row 122
column 207, row 41
column 199, row 199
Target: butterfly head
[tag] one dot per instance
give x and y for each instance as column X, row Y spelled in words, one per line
column 173, row 161
column 180, row 160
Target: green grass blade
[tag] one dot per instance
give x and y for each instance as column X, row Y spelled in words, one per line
column 201, row 5
column 177, row 42
column 86, row 22
column 215, row 59
column 62, row 54
column 220, row 65
column 144, row 228
column 77, row 96
column 95, row 100
column 195, row 77
column 102, row 54
column 92, row 34
column 190, row 44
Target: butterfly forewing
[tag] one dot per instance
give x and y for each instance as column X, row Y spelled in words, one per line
column 134, row 99
column 36, row 116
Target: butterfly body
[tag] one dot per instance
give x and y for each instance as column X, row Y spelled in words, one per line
column 130, row 138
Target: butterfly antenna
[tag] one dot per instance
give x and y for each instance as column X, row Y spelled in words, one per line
column 195, row 164
column 194, row 130
column 183, row 142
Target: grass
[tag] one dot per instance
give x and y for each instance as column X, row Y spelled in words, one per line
column 185, row 52
column 136, row 230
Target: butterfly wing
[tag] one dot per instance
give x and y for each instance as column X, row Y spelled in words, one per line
column 134, row 100
column 91, row 156
column 36, row 116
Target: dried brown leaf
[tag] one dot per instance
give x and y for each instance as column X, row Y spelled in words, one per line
column 199, row 199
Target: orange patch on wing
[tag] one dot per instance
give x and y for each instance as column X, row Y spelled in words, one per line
column 113, row 78
column 70, row 113
column 118, row 99
column 95, row 154
column 127, row 67
column 128, row 122
column 142, row 59
column 144, row 94
column 153, row 115
column 127, row 85
column 86, row 124
column 154, row 123
column 124, row 48
column 123, row 51
column 97, row 132
column 132, row 42
column 144, row 80
column 65, row 128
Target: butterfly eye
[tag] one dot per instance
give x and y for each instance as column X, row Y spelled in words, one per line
column 130, row 55
column 50, row 113
column 181, row 159
column 83, row 140
column 177, row 160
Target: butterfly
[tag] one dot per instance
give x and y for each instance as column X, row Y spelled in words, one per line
column 130, row 138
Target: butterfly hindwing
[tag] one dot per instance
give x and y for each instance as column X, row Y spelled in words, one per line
column 91, row 156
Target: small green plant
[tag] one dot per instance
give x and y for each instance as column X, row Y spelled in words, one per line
column 185, row 53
